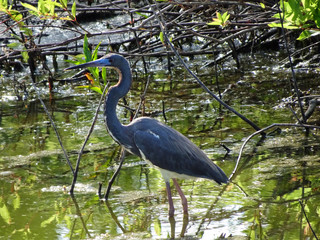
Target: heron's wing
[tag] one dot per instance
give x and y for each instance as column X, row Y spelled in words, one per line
column 170, row 150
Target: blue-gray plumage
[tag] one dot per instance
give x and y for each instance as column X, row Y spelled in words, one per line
column 167, row 149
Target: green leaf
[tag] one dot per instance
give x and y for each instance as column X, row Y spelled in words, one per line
column 142, row 15
column 27, row 31
column 16, row 37
column 161, row 37
column 215, row 22
column 285, row 25
column 57, row 5
column 293, row 6
column 304, row 35
column 94, row 70
column 104, row 75
column 43, row 7
column 95, row 52
column 25, row 55
column 73, row 9
column 64, row 3
column 305, row 3
column 225, row 17
column 4, row 4
column 96, row 89
column 219, row 16
column 14, row 45
column 277, row 15
column 262, row 5
column 32, row 8
column 15, row 15
column 86, row 50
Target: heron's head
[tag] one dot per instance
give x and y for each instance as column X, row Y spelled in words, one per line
column 110, row 60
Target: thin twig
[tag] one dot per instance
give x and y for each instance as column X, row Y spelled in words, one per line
column 53, row 126
column 75, row 174
column 291, row 64
column 122, row 156
column 305, row 215
column 263, row 130
column 142, row 97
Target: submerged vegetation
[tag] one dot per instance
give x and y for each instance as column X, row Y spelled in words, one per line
column 240, row 78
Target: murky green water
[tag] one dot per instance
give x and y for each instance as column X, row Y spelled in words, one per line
column 263, row 202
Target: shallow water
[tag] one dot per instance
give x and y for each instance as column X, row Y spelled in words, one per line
column 275, row 175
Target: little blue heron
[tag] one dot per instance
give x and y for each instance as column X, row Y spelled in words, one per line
column 167, row 149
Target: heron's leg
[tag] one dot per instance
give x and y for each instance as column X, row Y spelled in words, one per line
column 183, row 198
column 171, row 207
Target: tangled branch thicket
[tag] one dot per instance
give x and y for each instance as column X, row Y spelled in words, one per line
column 145, row 29
column 131, row 28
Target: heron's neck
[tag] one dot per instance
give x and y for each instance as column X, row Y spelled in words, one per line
column 115, row 128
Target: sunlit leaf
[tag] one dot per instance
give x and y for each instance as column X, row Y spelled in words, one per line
column 95, row 52
column 64, row 3
column 25, row 56
column 66, row 18
column 16, row 37
column 285, row 25
column 142, row 15
column 104, row 75
column 27, row 31
column 73, row 9
column 215, row 22
column 86, row 50
column 225, row 17
column 15, row 15
column 57, row 4
column 96, row 89
column 76, row 59
column 32, row 8
column 3, row 4
column 43, row 7
column 161, row 37
column 219, row 16
column 90, row 78
column 262, row 5
column 14, row 45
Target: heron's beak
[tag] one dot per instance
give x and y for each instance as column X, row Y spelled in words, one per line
column 102, row 62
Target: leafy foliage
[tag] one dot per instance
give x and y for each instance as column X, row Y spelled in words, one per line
column 44, row 10
column 93, row 76
column 221, row 20
column 303, row 15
